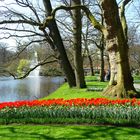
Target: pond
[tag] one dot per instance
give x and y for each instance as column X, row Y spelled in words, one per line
column 27, row 89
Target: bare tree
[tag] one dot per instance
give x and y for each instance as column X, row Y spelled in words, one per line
column 21, row 25
column 55, row 35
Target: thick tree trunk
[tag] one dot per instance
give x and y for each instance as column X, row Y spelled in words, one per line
column 55, row 34
column 118, row 53
column 78, row 60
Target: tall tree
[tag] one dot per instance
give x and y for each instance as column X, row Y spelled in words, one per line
column 117, row 46
column 55, row 34
column 78, row 59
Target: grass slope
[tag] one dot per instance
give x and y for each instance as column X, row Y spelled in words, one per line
column 92, row 82
column 54, row 132
column 68, row 93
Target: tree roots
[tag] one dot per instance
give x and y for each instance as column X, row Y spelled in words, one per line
column 120, row 91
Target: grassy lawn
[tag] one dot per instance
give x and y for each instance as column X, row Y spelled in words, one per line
column 38, row 132
column 70, row 132
column 92, row 82
column 68, row 93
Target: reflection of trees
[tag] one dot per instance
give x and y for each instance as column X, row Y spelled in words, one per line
column 22, row 90
column 29, row 88
column 4, row 89
column 50, row 84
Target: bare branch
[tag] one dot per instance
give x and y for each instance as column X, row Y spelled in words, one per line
column 27, row 45
column 39, row 64
column 89, row 15
column 30, row 6
column 20, row 21
column 15, row 13
column 44, row 62
column 22, row 30
column 123, row 18
column 66, row 26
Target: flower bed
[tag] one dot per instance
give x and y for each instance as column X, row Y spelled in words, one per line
column 100, row 110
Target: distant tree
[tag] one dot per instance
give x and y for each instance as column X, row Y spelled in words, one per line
column 4, row 53
column 135, row 57
column 23, row 67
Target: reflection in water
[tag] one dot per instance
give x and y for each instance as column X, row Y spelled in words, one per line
column 29, row 88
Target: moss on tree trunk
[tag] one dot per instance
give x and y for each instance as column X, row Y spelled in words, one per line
column 117, row 47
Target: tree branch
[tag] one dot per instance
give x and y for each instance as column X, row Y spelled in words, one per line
column 39, row 64
column 44, row 62
column 89, row 15
column 21, row 30
column 123, row 18
column 20, row 21
column 27, row 45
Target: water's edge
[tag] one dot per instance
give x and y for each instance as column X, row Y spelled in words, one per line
column 29, row 88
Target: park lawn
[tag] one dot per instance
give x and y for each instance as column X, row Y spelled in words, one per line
column 67, row 132
column 68, row 93
column 92, row 82
column 70, row 132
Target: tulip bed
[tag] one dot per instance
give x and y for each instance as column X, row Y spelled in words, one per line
column 80, row 110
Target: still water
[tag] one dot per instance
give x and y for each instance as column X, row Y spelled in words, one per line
column 29, row 88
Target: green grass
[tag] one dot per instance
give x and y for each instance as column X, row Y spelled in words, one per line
column 136, row 78
column 65, row 132
column 70, row 132
column 68, row 93
column 92, row 82
column 92, row 78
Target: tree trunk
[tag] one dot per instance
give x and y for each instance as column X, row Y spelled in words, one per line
column 102, row 47
column 91, row 65
column 55, row 35
column 102, row 71
column 85, row 38
column 78, row 60
column 118, row 53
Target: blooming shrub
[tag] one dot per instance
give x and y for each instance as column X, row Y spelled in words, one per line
column 93, row 110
